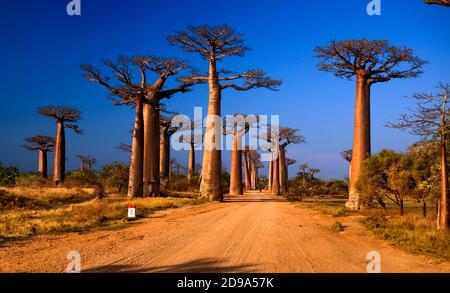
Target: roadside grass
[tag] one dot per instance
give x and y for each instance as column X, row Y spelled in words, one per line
column 412, row 232
column 326, row 205
column 27, row 212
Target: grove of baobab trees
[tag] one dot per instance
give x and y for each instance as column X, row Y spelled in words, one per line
column 238, row 127
column 146, row 97
column 371, row 62
column 43, row 144
column 213, row 44
column 65, row 117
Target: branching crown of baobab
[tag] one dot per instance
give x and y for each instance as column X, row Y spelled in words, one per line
column 40, row 142
column 304, row 167
column 289, row 136
column 125, row 70
column 63, row 114
column 214, row 44
column 377, row 61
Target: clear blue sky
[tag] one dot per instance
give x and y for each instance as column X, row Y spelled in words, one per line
column 41, row 50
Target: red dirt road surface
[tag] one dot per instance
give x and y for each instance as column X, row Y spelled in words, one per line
column 253, row 233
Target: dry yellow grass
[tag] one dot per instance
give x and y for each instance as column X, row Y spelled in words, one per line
column 29, row 211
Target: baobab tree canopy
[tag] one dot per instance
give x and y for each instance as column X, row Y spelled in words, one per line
column 377, row 61
column 64, row 114
column 40, row 142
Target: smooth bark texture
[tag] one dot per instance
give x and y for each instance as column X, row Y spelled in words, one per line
column 211, row 186
column 191, row 163
column 236, row 187
column 42, row 168
column 282, row 170
column 270, row 179
column 246, row 170
column 276, row 177
column 444, row 204
column 361, row 138
column 164, row 162
column 59, row 162
column 136, row 162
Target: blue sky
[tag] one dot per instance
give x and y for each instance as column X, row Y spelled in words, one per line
column 42, row 48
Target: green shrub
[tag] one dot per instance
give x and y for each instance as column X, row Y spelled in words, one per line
column 8, row 175
column 32, row 180
column 115, row 176
column 83, row 179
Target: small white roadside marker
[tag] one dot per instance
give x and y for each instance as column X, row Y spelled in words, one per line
column 132, row 211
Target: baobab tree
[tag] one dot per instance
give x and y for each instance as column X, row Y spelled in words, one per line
column 431, row 119
column 288, row 163
column 238, row 126
column 86, row 162
column 146, row 97
column 439, row 2
column 304, row 170
column 255, row 164
column 287, row 136
column 65, row 117
column 214, row 44
column 43, row 144
column 167, row 130
column 371, row 62
column 246, row 165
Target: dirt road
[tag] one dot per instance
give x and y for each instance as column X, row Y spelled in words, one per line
column 253, row 233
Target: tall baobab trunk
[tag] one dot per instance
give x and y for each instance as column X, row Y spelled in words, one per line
column 270, row 172
column 136, row 163
column 276, row 176
column 236, row 168
column 164, row 150
column 444, row 204
column 59, row 161
column 210, row 186
column 247, row 171
column 256, row 178
column 151, row 179
column 252, row 175
column 191, row 163
column 361, row 138
column 282, row 169
column 42, row 168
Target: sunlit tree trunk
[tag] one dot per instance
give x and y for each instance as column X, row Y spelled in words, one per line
column 282, row 170
column 60, row 153
column 42, row 168
column 270, row 172
column 164, row 150
column 136, row 157
column 151, row 178
column 247, row 171
column 276, row 176
column 361, row 138
column 210, row 186
column 191, row 163
column 236, row 168
column 444, row 205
